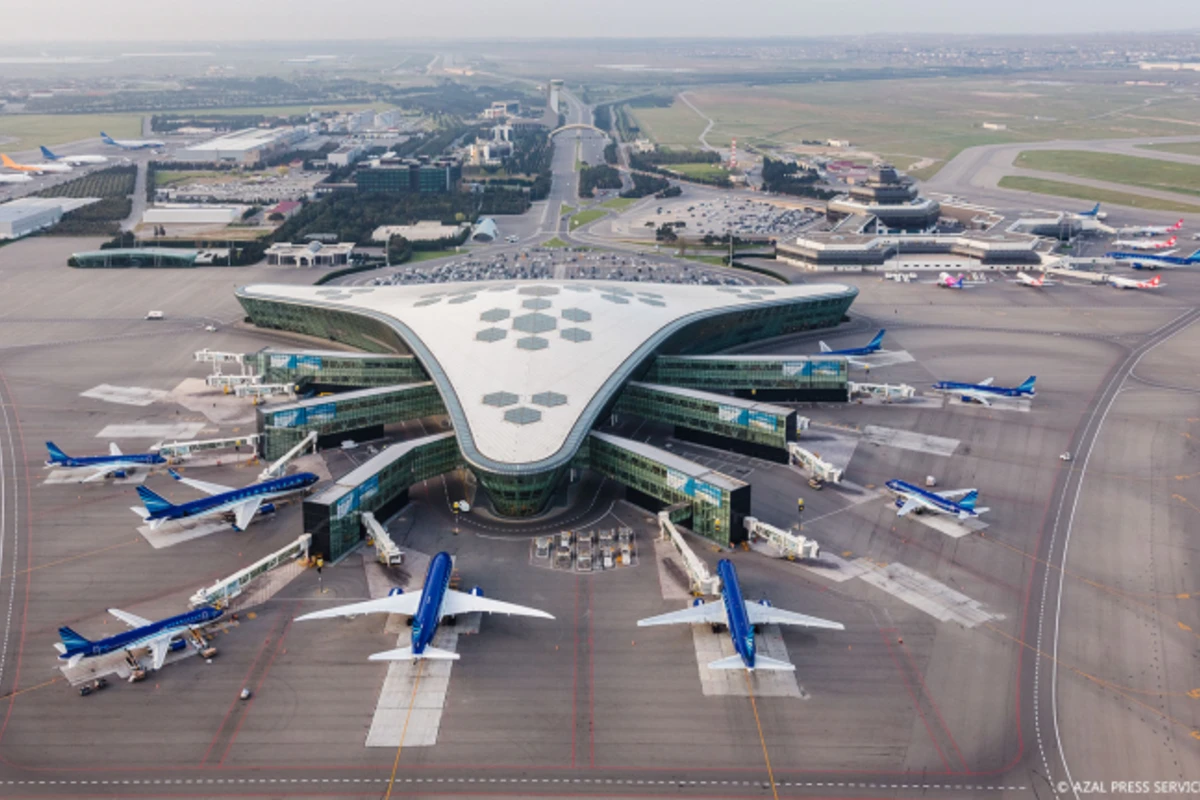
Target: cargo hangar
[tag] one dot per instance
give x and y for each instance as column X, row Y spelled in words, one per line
column 521, row 375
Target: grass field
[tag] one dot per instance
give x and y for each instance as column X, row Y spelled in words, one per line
column 920, row 118
column 619, row 203
column 1183, row 148
column 428, row 255
column 1148, row 173
column 31, row 130
column 566, row 209
column 555, row 242
column 584, row 217
column 1074, row 190
column 701, row 171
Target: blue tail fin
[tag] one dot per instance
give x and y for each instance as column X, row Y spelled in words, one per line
column 70, row 639
column 878, row 340
column 105, row 137
column 1027, row 386
column 55, row 453
column 47, row 154
column 1095, row 209
column 154, row 503
column 969, row 499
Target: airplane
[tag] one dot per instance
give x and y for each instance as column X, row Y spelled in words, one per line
column 36, row 169
column 911, row 498
column 131, row 144
column 157, row 636
column 74, row 160
column 427, row 609
column 740, row 618
column 983, row 392
column 242, row 503
column 1094, row 213
column 1150, row 230
column 870, row 348
column 1135, row 244
column 1025, row 279
column 20, row 177
column 115, row 463
column 1118, row 282
column 1155, row 260
column 946, row 281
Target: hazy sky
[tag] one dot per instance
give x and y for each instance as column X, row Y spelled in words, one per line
column 217, row 20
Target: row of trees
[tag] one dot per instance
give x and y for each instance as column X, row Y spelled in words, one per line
column 788, row 177
column 598, row 177
column 644, row 185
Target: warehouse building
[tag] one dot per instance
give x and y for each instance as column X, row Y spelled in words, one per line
column 28, row 215
column 248, row 146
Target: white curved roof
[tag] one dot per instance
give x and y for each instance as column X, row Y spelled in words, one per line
column 521, row 365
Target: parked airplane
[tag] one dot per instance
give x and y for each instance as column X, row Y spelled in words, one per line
column 1150, row 230
column 869, row 348
column 740, row 618
column 1118, row 282
column 115, row 463
column 131, row 144
column 242, row 503
column 1094, row 213
column 947, row 281
column 18, row 177
column 1025, row 279
column 36, row 169
column 1155, row 260
column 911, row 498
column 984, row 392
column 1144, row 244
column 435, row 602
column 157, row 636
column 75, row 160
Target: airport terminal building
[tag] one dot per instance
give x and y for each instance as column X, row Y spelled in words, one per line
column 521, row 375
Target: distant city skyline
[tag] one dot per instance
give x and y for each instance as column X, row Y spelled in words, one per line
column 307, row 20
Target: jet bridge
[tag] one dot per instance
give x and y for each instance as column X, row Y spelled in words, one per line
column 184, row 449
column 791, row 545
column 280, row 464
column 220, row 593
column 822, row 470
column 386, row 550
column 887, row 392
column 700, row 580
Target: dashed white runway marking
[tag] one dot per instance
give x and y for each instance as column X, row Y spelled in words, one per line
column 124, row 395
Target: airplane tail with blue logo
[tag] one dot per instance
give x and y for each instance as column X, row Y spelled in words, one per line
column 57, row 456
column 1095, row 211
column 877, row 342
column 155, row 506
column 71, row 641
column 969, row 499
column 1027, row 386
column 46, row 154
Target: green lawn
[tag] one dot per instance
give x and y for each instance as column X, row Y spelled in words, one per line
column 555, row 242
column 1183, row 148
column 31, row 130
column 428, row 255
column 1074, row 190
column 566, row 209
column 1149, row 173
column 584, row 217
column 702, row 171
column 619, row 203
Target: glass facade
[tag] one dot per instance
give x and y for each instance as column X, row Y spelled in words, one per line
column 334, row 516
column 519, row 495
column 311, row 368
column 756, row 423
column 718, row 502
column 794, row 377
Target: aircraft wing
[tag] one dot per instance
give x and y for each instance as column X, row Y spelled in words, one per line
column 159, row 647
column 978, row 397
column 113, row 450
column 98, row 475
column 454, row 603
column 392, row 604
column 203, row 486
column 132, row 620
column 692, row 615
column 245, row 512
column 759, row 614
column 954, row 494
column 824, row 347
column 987, row 381
column 909, row 506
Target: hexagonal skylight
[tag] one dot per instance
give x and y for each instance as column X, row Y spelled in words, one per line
column 576, row 315
column 532, row 343
column 549, row 399
column 462, row 298
column 537, row 304
column 575, row 335
column 538, row 291
column 522, row 415
column 650, row 301
column 491, row 335
column 534, row 323
column 612, row 298
column 494, row 314
column 500, row 399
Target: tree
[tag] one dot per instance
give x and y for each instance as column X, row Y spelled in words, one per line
column 399, row 250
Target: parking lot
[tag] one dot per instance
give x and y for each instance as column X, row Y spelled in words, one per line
column 744, row 216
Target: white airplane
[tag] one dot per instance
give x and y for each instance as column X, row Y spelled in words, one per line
column 18, row 177
column 131, row 144
column 1150, row 230
column 36, row 169
column 1143, row 244
column 947, row 281
column 1129, row 283
column 1025, row 279
column 910, row 498
column 73, row 160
